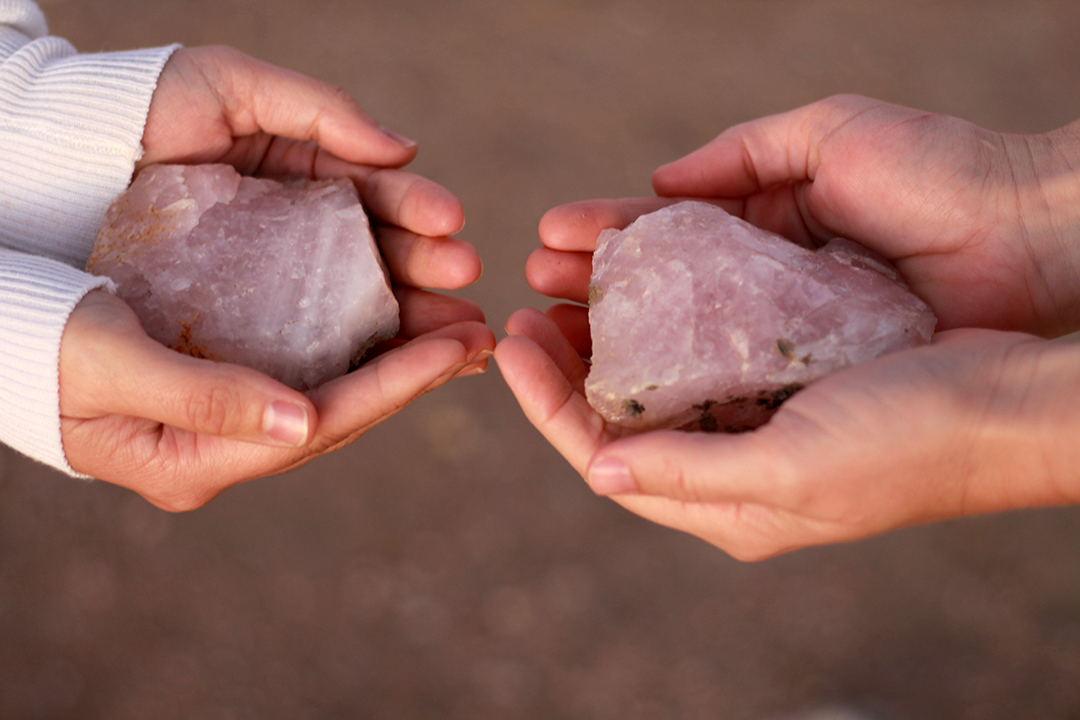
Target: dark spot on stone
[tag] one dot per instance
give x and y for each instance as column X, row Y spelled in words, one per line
column 786, row 348
column 777, row 397
column 633, row 408
column 595, row 293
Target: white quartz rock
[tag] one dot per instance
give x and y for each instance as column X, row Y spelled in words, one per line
column 703, row 321
column 284, row 278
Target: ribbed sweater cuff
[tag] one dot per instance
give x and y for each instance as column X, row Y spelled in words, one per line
column 71, row 128
column 36, row 297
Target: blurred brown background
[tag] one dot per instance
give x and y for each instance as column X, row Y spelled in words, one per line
column 449, row 564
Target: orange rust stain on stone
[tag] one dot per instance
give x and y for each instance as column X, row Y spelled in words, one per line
column 129, row 237
column 187, row 347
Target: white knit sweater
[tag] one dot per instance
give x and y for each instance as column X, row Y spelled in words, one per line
column 70, row 132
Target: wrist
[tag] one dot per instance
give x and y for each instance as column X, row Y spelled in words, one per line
column 1026, row 449
column 1046, row 170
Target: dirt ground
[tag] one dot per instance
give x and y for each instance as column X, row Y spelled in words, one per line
column 449, row 564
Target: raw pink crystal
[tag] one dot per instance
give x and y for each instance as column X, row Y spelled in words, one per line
column 703, row 321
column 282, row 277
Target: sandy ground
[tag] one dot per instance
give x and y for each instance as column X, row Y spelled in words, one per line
column 449, row 564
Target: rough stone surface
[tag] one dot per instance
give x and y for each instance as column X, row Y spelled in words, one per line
column 701, row 320
column 282, row 277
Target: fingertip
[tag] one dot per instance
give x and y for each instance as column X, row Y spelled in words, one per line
column 609, row 475
column 521, row 320
column 560, row 273
column 446, row 216
column 467, row 269
column 406, row 143
column 560, row 227
column 663, row 179
column 475, row 337
column 535, row 269
column 420, row 205
column 287, row 423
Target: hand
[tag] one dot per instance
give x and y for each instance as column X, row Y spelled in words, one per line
column 982, row 225
column 180, row 430
column 979, row 421
column 217, row 105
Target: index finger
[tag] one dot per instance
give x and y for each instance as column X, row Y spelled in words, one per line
column 575, row 226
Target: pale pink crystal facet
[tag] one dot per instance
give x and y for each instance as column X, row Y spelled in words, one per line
column 282, row 277
column 701, row 320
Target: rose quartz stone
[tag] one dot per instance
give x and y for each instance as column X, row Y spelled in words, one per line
column 284, row 278
column 702, row 321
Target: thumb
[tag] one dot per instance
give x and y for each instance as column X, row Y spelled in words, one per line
column 692, row 467
column 109, row 366
column 760, row 154
column 262, row 97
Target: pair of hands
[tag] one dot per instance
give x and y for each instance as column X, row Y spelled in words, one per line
column 983, row 226
column 179, row 430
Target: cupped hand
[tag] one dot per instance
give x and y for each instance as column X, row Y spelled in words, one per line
column 977, row 422
column 217, row 105
column 180, row 430
column 981, row 224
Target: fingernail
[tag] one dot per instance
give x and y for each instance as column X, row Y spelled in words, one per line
column 610, row 476
column 471, row 370
column 478, row 365
column 286, row 423
column 397, row 137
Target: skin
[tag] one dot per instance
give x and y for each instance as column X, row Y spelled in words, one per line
column 983, row 226
column 179, row 430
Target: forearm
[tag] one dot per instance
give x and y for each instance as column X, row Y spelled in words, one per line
column 70, row 131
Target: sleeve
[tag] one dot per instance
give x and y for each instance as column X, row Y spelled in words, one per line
column 70, row 133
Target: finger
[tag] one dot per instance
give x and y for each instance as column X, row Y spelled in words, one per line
column 259, row 97
column 423, row 312
column 551, row 404
column 104, row 372
column 759, row 154
column 560, row 273
column 573, row 322
column 394, row 197
column 398, row 197
column 575, row 226
column 415, row 203
column 356, row 402
column 544, row 332
column 428, row 262
column 697, row 467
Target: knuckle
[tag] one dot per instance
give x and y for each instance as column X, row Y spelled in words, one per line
column 179, row 503
column 180, row 497
column 672, row 476
column 751, row 553
column 214, row 409
column 341, row 95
